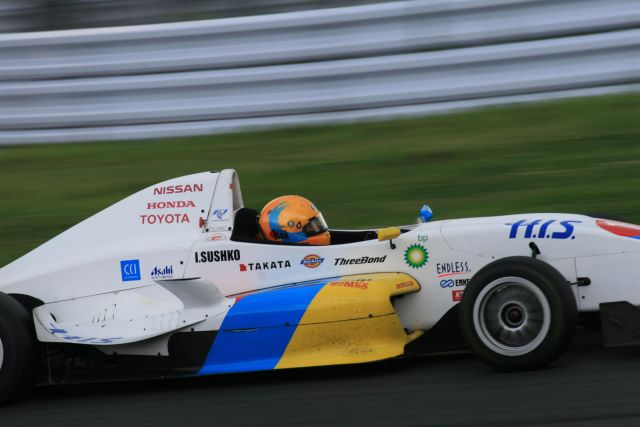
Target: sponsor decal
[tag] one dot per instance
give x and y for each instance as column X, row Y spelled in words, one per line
column 217, row 236
column 176, row 189
column 361, row 260
column 279, row 234
column 218, row 214
column 445, row 269
column 165, row 272
column 130, row 270
column 171, row 205
column 447, row 283
column 456, row 295
column 416, row 256
column 619, row 228
column 423, row 238
column 266, row 265
column 357, row 284
column 173, row 218
column 217, row 256
column 61, row 333
column 537, row 229
column 403, row 285
column 312, row 261
column 450, row 283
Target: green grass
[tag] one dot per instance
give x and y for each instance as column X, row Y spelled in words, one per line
column 580, row 155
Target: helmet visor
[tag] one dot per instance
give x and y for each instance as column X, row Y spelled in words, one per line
column 315, row 226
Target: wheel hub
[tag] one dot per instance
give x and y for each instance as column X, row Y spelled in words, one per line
column 1, row 354
column 512, row 316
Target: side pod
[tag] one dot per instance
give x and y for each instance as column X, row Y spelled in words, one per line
column 342, row 320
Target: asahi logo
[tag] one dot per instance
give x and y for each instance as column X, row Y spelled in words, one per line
column 165, row 272
column 217, row 256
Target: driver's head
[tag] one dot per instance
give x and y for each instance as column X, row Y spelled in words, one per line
column 293, row 219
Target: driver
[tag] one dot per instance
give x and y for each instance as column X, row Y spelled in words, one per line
column 293, row 219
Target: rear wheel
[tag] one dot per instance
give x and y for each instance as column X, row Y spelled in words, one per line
column 518, row 313
column 17, row 349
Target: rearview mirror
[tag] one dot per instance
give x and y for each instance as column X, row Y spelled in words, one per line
column 388, row 233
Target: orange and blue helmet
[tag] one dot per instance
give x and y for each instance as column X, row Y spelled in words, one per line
column 293, row 219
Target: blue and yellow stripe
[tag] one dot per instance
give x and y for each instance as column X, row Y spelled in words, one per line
column 348, row 319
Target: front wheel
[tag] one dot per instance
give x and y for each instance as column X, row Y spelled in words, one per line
column 17, row 349
column 518, row 313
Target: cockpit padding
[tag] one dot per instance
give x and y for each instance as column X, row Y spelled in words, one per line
column 245, row 226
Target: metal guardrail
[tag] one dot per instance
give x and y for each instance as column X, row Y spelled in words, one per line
column 347, row 63
column 45, row 15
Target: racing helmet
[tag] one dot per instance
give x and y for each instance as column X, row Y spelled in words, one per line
column 293, row 219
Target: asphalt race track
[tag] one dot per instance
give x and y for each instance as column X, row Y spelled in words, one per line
column 588, row 386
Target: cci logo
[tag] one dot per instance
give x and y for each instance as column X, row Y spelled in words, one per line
column 130, row 270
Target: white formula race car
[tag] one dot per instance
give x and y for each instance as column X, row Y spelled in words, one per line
column 173, row 281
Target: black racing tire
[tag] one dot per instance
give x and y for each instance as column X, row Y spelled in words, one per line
column 518, row 313
column 17, row 349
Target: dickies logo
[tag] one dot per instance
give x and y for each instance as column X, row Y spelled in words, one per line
column 312, row 261
column 130, row 270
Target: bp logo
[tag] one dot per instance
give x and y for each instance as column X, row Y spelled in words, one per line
column 416, row 256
